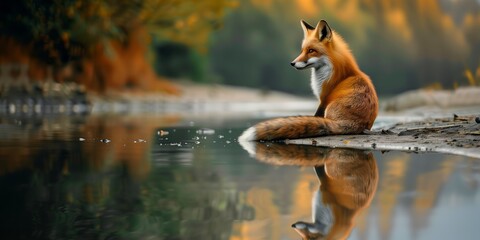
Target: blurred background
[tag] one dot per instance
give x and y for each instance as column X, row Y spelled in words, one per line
column 150, row 45
column 171, row 84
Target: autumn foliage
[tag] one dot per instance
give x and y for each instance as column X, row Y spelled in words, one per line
column 102, row 44
column 118, row 65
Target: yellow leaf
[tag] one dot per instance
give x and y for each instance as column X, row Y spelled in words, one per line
column 470, row 78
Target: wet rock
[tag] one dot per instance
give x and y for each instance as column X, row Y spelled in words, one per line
column 387, row 132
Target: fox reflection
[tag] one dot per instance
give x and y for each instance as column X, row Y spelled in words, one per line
column 348, row 181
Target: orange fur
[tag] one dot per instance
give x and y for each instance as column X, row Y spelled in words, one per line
column 348, row 101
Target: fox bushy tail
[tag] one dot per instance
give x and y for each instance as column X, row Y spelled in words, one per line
column 291, row 128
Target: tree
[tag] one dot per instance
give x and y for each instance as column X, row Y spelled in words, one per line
column 73, row 34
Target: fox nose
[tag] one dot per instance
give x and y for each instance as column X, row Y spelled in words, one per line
column 292, row 63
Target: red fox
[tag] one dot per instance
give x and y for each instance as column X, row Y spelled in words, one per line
column 348, row 101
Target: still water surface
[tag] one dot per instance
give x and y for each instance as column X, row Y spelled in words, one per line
column 102, row 177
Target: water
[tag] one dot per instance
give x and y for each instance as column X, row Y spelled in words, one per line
column 176, row 177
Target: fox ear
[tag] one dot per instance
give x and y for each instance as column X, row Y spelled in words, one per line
column 306, row 28
column 323, row 31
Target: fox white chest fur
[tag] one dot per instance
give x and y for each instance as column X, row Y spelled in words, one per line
column 320, row 75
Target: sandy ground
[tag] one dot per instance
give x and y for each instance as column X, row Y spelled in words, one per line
column 445, row 99
column 197, row 98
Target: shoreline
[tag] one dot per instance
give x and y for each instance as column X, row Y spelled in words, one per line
column 417, row 128
column 197, row 98
column 458, row 135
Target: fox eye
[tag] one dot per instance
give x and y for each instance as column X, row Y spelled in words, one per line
column 311, row 50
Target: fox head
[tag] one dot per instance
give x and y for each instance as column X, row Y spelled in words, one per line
column 315, row 44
